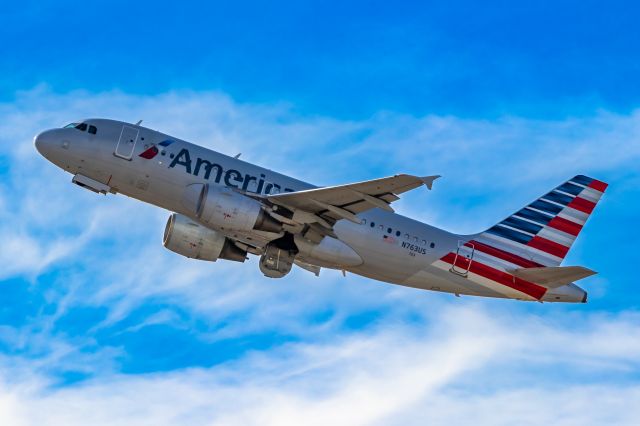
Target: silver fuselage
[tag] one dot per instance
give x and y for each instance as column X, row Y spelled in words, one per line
column 407, row 259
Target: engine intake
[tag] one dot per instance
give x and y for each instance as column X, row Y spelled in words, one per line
column 194, row 241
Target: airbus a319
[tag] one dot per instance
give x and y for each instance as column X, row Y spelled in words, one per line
column 226, row 208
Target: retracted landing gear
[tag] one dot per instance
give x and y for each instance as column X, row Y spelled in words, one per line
column 278, row 257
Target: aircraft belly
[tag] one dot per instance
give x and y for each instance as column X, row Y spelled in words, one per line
column 389, row 257
column 150, row 190
column 433, row 280
column 437, row 277
column 386, row 263
column 146, row 184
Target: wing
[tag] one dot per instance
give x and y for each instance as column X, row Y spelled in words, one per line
column 346, row 201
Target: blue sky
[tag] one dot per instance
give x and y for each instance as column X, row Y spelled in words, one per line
column 100, row 324
column 348, row 59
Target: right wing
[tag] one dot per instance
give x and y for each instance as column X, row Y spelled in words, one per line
column 333, row 203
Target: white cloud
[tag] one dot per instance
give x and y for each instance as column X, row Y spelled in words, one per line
column 449, row 370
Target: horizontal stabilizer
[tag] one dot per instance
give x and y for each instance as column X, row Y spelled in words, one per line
column 553, row 276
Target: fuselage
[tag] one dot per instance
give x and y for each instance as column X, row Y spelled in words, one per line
column 393, row 248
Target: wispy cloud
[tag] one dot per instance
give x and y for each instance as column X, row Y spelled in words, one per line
column 460, row 365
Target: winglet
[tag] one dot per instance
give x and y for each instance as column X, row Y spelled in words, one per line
column 428, row 180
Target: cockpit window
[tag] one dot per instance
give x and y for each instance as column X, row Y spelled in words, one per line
column 79, row 126
column 93, row 130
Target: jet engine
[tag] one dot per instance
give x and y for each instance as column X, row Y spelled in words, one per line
column 189, row 239
column 225, row 208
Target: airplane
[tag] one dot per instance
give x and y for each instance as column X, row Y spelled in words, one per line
column 225, row 208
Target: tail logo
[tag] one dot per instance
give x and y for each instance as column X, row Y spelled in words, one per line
column 534, row 238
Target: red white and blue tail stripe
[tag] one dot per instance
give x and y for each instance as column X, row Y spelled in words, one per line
column 542, row 233
column 539, row 235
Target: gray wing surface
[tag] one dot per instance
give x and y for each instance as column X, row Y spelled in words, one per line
column 346, row 201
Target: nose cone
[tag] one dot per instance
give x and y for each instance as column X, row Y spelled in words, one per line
column 45, row 143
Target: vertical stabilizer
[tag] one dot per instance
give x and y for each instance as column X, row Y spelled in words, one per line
column 542, row 233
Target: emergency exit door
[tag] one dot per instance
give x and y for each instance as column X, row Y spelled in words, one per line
column 127, row 142
column 464, row 258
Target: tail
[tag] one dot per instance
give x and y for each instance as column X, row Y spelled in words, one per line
column 542, row 233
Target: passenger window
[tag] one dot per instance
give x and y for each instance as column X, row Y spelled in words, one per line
column 424, row 242
column 93, row 130
column 432, row 245
column 415, row 239
column 373, row 224
column 406, row 236
column 397, row 233
column 363, row 221
column 389, row 230
column 380, row 227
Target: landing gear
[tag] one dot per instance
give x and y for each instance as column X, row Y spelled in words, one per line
column 278, row 257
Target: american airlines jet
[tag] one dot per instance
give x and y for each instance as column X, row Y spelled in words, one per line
column 225, row 208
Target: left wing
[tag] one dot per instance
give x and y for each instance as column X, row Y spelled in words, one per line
column 346, row 201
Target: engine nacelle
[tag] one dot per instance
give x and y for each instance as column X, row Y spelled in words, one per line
column 225, row 208
column 192, row 240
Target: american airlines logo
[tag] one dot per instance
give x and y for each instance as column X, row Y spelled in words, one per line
column 215, row 172
column 153, row 151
